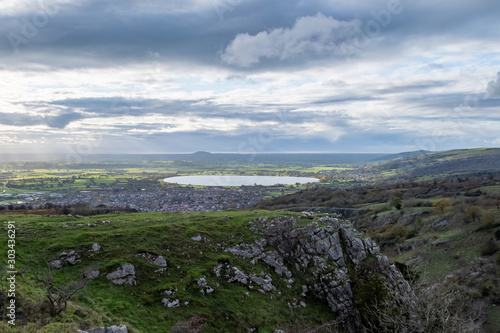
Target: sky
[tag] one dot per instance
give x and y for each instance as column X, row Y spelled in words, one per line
column 248, row 76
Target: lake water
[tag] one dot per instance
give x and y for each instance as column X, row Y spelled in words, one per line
column 230, row 180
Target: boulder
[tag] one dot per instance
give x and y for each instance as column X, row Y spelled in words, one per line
column 123, row 275
column 55, row 263
column 117, row 329
column 170, row 303
column 110, row 329
column 91, row 274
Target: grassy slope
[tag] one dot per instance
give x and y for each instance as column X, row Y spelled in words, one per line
column 463, row 161
column 228, row 309
column 453, row 254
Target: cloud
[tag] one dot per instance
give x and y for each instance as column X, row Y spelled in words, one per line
column 493, row 87
column 146, row 73
column 310, row 35
column 63, row 120
column 23, row 120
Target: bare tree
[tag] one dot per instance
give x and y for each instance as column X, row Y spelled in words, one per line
column 57, row 295
column 429, row 309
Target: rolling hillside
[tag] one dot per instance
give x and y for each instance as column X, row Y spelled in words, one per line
column 468, row 162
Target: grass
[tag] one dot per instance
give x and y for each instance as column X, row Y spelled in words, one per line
column 233, row 307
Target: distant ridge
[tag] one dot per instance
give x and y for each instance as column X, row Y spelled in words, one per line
column 408, row 154
column 447, row 163
column 202, row 153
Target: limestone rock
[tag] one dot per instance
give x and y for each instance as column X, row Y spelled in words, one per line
column 205, row 288
column 160, row 261
column 110, row 329
column 71, row 258
column 91, row 274
column 170, row 303
column 117, row 329
column 320, row 251
column 233, row 274
column 123, row 275
column 308, row 215
column 154, row 260
column 55, row 263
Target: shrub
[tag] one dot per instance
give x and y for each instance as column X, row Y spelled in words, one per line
column 472, row 213
column 408, row 273
column 497, row 259
column 440, row 205
column 394, row 232
column 489, row 248
column 426, row 310
column 396, row 203
column 192, row 325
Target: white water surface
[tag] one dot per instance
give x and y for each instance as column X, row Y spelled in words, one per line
column 231, row 180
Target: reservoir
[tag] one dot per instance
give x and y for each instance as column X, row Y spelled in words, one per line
column 230, row 180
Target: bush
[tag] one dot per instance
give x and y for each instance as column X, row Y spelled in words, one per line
column 396, row 203
column 408, row 273
column 497, row 259
column 426, row 310
column 192, row 325
column 489, row 248
column 440, row 205
column 472, row 213
column 394, row 232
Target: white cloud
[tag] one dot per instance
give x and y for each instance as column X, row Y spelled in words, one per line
column 16, row 7
column 494, row 87
column 310, row 34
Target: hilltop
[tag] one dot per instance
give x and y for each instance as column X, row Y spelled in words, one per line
column 409, row 154
column 453, row 163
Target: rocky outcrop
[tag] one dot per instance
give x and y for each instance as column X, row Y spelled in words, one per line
column 91, row 274
column 110, row 329
column 123, row 275
column 233, row 274
column 71, row 258
column 205, row 288
column 170, row 303
column 331, row 255
column 154, row 259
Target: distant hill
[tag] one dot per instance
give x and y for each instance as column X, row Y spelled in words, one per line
column 202, row 153
column 402, row 155
column 454, row 162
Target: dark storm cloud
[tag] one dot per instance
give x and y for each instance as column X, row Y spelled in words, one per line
column 407, row 88
column 16, row 119
column 346, row 99
column 116, row 107
column 449, row 101
column 493, row 87
column 101, row 33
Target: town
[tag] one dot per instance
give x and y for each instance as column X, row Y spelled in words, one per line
column 152, row 199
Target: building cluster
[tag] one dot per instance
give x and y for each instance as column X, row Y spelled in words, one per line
column 160, row 199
